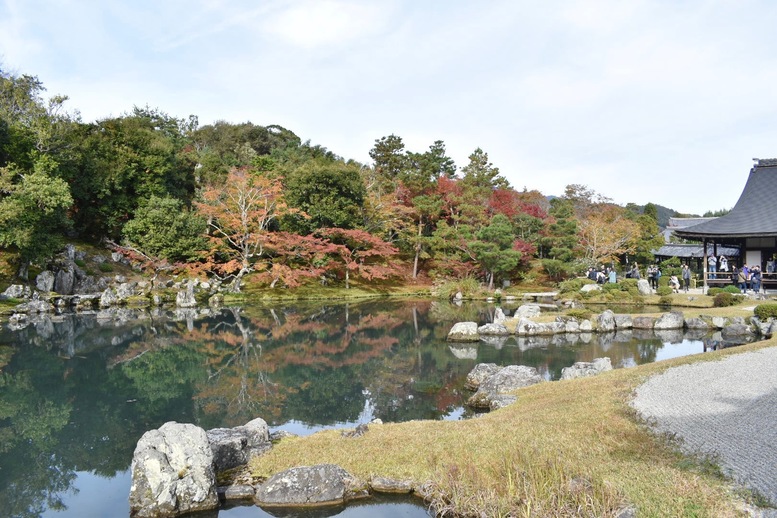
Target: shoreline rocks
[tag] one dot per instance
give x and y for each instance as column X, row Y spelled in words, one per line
column 175, row 469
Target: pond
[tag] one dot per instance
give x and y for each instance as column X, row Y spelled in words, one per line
column 78, row 391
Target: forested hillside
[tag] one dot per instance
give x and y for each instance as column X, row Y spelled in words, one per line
column 230, row 199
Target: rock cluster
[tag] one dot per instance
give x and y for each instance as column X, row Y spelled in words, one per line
column 175, row 470
column 70, row 284
column 493, row 384
column 606, row 322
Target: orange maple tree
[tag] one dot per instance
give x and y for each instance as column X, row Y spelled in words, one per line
column 239, row 214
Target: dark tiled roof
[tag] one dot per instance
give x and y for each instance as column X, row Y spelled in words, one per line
column 755, row 213
column 675, row 223
column 683, row 250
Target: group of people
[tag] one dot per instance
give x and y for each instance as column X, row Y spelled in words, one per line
column 714, row 265
column 602, row 275
column 748, row 278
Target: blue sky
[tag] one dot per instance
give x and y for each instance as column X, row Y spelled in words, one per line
column 642, row 101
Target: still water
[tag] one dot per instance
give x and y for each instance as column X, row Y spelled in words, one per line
column 78, row 391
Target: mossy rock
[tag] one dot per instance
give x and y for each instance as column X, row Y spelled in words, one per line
column 138, row 301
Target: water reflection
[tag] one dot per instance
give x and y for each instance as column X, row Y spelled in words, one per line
column 77, row 391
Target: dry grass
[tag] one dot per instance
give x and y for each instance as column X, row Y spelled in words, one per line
column 567, row 448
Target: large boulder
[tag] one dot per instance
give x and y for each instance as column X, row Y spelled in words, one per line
column 605, row 322
column 186, row 298
column 65, row 280
column 696, row 323
column 671, row 320
column 16, row 291
column 125, row 290
column 480, row 373
column 172, row 472
column 45, row 281
column 499, row 316
column 493, row 330
column 505, row 380
column 464, row 332
column 108, row 298
column 643, row 322
column 528, row 311
column 644, row 287
column 736, row 331
column 623, row 322
column 720, row 322
column 526, row 327
column 234, row 447
column 585, row 369
column 590, row 287
column 324, row 484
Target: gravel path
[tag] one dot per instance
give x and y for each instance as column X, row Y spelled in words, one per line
column 725, row 408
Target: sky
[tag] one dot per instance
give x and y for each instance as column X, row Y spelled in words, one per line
column 642, row 101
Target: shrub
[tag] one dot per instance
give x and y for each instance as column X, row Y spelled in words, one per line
column 609, row 286
column 573, row 285
column 714, row 291
column 467, row 286
column 579, row 313
column 163, row 227
column 106, row 267
column 666, row 300
column 724, row 300
column 630, row 285
column 731, row 289
column 558, row 270
column 80, row 263
column 764, row 311
column 664, row 291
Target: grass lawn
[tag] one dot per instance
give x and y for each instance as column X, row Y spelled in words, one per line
column 566, row 448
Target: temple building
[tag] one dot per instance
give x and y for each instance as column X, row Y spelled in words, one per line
column 750, row 227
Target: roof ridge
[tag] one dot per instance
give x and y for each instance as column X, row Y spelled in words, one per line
column 765, row 162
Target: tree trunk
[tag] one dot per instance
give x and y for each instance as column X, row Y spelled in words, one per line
column 417, row 248
column 347, row 277
column 490, row 280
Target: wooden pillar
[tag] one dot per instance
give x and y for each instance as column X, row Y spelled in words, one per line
column 704, row 267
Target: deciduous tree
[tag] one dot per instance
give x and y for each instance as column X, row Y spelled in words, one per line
column 239, row 214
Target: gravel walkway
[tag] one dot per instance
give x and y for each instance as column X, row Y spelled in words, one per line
column 725, row 408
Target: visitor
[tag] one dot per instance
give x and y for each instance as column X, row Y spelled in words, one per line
column 635, row 272
column 741, row 280
column 712, row 266
column 723, row 264
column 755, row 279
column 658, row 276
column 613, row 276
column 746, row 271
column 674, row 283
column 686, row 273
column 651, row 275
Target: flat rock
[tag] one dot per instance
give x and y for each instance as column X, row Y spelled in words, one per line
column 493, row 330
column 390, row 485
column 586, row 369
column 323, row 484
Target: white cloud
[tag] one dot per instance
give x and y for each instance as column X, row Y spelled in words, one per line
column 315, row 23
